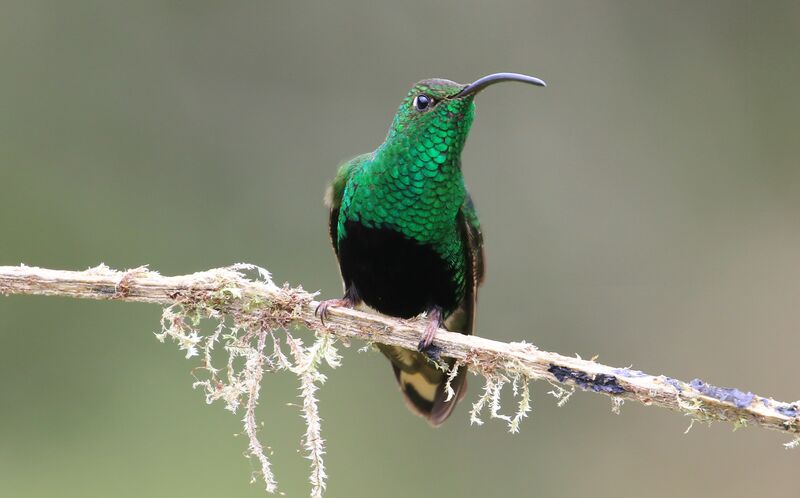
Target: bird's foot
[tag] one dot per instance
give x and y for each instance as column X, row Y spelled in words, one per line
column 436, row 318
column 322, row 308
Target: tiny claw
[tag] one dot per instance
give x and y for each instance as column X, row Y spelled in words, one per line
column 435, row 322
column 427, row 338
column 320, row 312
column 322, row 308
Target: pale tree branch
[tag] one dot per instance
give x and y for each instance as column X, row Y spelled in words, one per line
column 229, row 292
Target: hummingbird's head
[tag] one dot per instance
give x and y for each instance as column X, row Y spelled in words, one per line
column 436, row 114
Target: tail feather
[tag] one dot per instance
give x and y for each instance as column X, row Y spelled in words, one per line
column 441, row 408
column 423, row 385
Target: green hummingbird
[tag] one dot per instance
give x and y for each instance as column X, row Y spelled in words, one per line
column 406, row 234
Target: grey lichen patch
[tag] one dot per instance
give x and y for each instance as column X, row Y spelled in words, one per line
column 738, row 398
column 788, row 410
column 245, row 325
column 675, row 383
column 627, row 372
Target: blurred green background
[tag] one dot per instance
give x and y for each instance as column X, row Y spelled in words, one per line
column 644, row 207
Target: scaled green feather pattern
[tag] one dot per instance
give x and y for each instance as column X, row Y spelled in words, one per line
column 415, row 186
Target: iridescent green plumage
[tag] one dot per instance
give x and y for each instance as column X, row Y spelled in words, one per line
column 406, row 233
column 413, row 182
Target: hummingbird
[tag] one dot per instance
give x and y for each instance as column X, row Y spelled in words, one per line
column 406, row 234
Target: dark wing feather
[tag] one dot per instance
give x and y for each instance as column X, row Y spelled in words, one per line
column 334, row 194
column 472, row 237
column 333, row 228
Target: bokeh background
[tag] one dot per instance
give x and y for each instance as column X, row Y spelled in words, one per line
column 644, row 208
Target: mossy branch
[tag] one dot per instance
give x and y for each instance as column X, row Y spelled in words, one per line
column 257, row 307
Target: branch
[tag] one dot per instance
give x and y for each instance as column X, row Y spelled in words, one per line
column 296, row 306
column 227, row 293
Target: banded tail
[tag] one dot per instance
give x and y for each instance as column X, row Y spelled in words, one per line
column 423, row 385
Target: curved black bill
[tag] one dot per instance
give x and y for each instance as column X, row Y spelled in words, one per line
column 479, row 84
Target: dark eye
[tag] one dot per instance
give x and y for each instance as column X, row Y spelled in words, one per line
column 422, row 102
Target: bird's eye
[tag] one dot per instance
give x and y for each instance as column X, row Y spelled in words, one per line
column 422, row 102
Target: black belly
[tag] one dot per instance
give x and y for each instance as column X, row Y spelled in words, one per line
column 394, row 274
